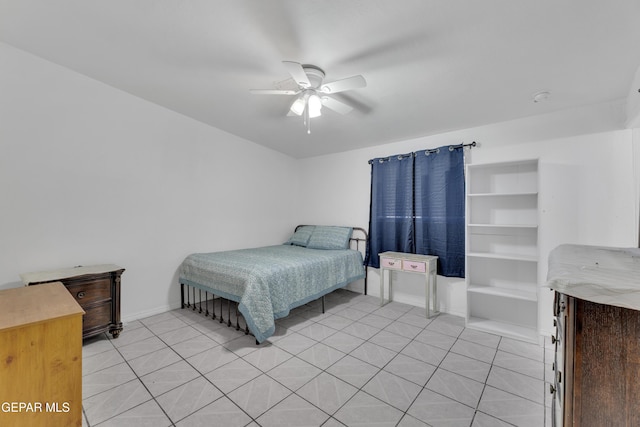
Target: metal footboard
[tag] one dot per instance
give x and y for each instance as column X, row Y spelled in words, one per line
column 192, row 297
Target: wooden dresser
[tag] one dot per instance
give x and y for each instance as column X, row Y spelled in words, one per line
column 97, row 290
column 40, row 357
column 597, row 343
column 597, row 366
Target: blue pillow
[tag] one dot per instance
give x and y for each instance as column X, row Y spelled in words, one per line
column 328, row 237
column 301, row 236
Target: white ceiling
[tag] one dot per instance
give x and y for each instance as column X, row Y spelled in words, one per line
column 431, row 65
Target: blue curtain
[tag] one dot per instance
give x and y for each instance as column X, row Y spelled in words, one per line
column 417, row 206
column 391, row 216
column 439, row 208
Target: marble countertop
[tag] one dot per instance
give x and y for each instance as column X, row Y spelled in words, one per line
column 64, row 273
column 600, row 274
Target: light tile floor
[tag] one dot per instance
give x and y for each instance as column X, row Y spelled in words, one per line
column 356, row 365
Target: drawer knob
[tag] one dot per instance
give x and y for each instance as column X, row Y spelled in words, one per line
column 80, row 294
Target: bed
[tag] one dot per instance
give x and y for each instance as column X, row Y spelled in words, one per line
column 264, row 284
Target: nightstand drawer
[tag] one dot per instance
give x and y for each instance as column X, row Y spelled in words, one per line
column 417, row 266
column 391, row 263
column 97, row 316
column 91, row 291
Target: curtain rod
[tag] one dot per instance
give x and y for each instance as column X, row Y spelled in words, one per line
column 433, row 150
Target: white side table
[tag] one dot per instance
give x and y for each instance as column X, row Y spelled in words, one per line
column 412, row 263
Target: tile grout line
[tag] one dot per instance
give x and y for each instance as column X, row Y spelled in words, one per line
column 202, row 375
column 484, row 386
column 314, row 321
column 423, row 387
column 140, row 380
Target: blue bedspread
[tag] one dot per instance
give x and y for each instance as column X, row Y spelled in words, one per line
column 267, row 282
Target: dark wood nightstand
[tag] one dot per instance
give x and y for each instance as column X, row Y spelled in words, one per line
column 97, row 290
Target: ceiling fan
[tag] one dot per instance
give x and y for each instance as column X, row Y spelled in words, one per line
column 312, row 93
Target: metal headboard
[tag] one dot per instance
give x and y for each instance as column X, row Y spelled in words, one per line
column 359, row 240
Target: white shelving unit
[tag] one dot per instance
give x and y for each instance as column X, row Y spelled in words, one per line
column 502, row 248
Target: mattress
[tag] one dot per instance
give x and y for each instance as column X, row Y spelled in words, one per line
column 270, row 281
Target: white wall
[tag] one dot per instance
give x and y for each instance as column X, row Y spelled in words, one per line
column 92, row 175
column 587, row 190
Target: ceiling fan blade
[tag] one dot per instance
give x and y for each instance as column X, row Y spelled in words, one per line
column 297, row 72
column 349, row 83
column 335, row 105
column 272, row 92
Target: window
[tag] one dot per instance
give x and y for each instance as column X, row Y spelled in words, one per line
column 417, row 206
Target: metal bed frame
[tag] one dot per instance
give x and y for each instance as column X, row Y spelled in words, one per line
column 358, row 241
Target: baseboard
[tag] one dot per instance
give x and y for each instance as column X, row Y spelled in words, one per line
column 148, row 313
column 418, row 301
column 405, row 299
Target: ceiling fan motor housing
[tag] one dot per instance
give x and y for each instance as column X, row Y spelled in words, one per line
column 315, row 75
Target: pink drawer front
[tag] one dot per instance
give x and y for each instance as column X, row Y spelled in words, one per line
column 391, row 263
column 417, row 266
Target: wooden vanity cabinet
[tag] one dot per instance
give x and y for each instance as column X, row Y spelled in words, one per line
column 597, row 364
column 40, row 357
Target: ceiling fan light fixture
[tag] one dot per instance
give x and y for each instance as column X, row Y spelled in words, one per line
column 298, row 105
column 315, row 106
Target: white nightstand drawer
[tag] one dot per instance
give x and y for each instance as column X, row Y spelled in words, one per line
column 417, row 266
column 391, row 263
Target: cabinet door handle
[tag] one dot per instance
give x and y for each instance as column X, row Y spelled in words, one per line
column 554, row 339
column 552, row 389
column 80, row 294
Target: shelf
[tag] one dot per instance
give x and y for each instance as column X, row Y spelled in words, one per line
column 509, row 257
column 510, row 330
column 527, row 295
column 503, row 178
column 525, row 194
column 522, row 164
column 503, row 252
column 503, row 225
